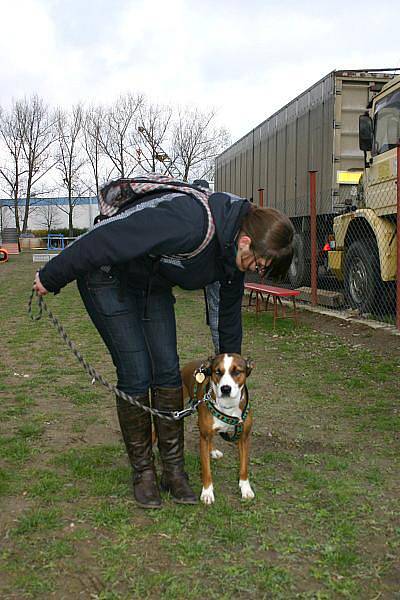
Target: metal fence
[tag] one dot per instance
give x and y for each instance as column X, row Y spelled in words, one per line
column 350, row 261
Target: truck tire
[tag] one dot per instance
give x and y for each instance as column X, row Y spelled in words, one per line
column 298, row 274
column 362, row 281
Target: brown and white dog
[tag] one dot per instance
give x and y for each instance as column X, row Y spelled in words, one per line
column 224, row 376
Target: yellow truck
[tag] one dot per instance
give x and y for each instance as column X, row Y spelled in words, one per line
column 365, row 251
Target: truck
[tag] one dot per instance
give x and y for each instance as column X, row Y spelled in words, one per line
column 316, row 131
column 365, row 255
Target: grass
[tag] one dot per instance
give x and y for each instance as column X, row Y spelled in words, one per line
column 324, row 466
column 39, row 519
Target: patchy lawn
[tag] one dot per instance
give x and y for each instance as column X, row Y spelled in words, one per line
column 324, row 464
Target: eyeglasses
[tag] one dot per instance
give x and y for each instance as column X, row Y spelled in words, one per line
column 261, row 270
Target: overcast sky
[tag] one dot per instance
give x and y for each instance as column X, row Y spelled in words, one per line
column 245, row 58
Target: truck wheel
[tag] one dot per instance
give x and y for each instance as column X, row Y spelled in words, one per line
column 362, row 279
column 298, row 274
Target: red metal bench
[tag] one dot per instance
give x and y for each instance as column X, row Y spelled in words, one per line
column 276, row 293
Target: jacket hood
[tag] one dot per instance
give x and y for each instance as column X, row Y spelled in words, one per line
column 228, row 211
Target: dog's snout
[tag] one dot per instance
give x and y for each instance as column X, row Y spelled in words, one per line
column 225, row 390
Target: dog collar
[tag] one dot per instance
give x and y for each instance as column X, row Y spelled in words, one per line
column 236, row 422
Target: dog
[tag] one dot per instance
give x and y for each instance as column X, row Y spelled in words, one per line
column 222, row 382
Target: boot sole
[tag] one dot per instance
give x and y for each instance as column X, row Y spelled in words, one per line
column 148, row 506
column 177, row 500
column 180, row 501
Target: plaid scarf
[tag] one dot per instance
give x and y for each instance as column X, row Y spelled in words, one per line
column 113, row 196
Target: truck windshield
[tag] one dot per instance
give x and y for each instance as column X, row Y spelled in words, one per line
column 387, row 123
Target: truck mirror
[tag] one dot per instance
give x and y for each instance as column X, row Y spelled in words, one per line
column 365, row 130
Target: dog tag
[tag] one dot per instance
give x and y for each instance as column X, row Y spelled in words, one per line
column 200, row 377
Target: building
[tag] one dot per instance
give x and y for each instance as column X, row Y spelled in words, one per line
column 50, row 213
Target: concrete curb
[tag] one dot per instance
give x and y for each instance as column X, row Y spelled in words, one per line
column 343, row 317
column 379, row 325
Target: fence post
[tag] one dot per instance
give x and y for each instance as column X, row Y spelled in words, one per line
column 313, row 231
column 261, row 197
column 398, row 242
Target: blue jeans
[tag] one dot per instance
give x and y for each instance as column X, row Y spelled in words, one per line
column 212, row 292
column 144, row 352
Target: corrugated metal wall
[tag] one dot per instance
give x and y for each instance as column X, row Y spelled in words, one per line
column 277, row 154
column 317, row 130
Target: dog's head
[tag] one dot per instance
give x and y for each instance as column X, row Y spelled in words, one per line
column 227, row 373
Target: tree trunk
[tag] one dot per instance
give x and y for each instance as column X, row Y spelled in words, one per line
column 16, row 212
column 26, row 215
column 70, row 223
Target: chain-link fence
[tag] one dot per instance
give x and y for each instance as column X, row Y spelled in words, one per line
column 355, row 256
column 347, row 260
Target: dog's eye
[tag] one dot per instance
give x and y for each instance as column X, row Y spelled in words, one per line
column 236, row 373
column 218, row 372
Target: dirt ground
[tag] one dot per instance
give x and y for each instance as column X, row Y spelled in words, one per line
column 324, row 464
column 379, row 340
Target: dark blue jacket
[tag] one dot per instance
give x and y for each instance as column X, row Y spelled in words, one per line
column 141, row 240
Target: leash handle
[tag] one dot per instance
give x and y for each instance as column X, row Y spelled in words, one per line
column 40, row 305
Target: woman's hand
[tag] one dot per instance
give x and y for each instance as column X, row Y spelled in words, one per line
column 38, row 287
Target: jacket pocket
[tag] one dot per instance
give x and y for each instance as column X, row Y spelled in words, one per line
column 105, row 276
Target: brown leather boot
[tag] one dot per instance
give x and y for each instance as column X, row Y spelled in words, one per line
column 170, row 435
column 135, row 425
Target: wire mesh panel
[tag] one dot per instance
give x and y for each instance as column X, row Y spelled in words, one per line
column 356, row 249
column 354, row 255
column 366, row 244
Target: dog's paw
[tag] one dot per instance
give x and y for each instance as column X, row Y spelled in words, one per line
column 207, row 495
column 216, row 454
column 245, row 488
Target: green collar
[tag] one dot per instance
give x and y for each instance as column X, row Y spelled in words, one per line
column 236, row 422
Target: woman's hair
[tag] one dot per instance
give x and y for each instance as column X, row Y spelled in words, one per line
column 271, row 234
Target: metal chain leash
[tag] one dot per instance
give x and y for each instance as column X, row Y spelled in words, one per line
column 175, row 415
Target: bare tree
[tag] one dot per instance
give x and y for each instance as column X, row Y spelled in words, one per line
column 197, row 142
column 12, row 170
column 70, row 159
column 37, row 133
column 92, row 144
column 132, row 135
column 47, row 216
column 117, row 135
column 154, row 140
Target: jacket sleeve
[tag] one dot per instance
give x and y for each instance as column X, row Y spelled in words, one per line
column 230, row 314
column 118, row 240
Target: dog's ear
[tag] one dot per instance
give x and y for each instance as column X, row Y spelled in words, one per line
column 249, row 366
column 206, row 366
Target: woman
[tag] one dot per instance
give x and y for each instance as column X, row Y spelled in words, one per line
column 126, row 267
